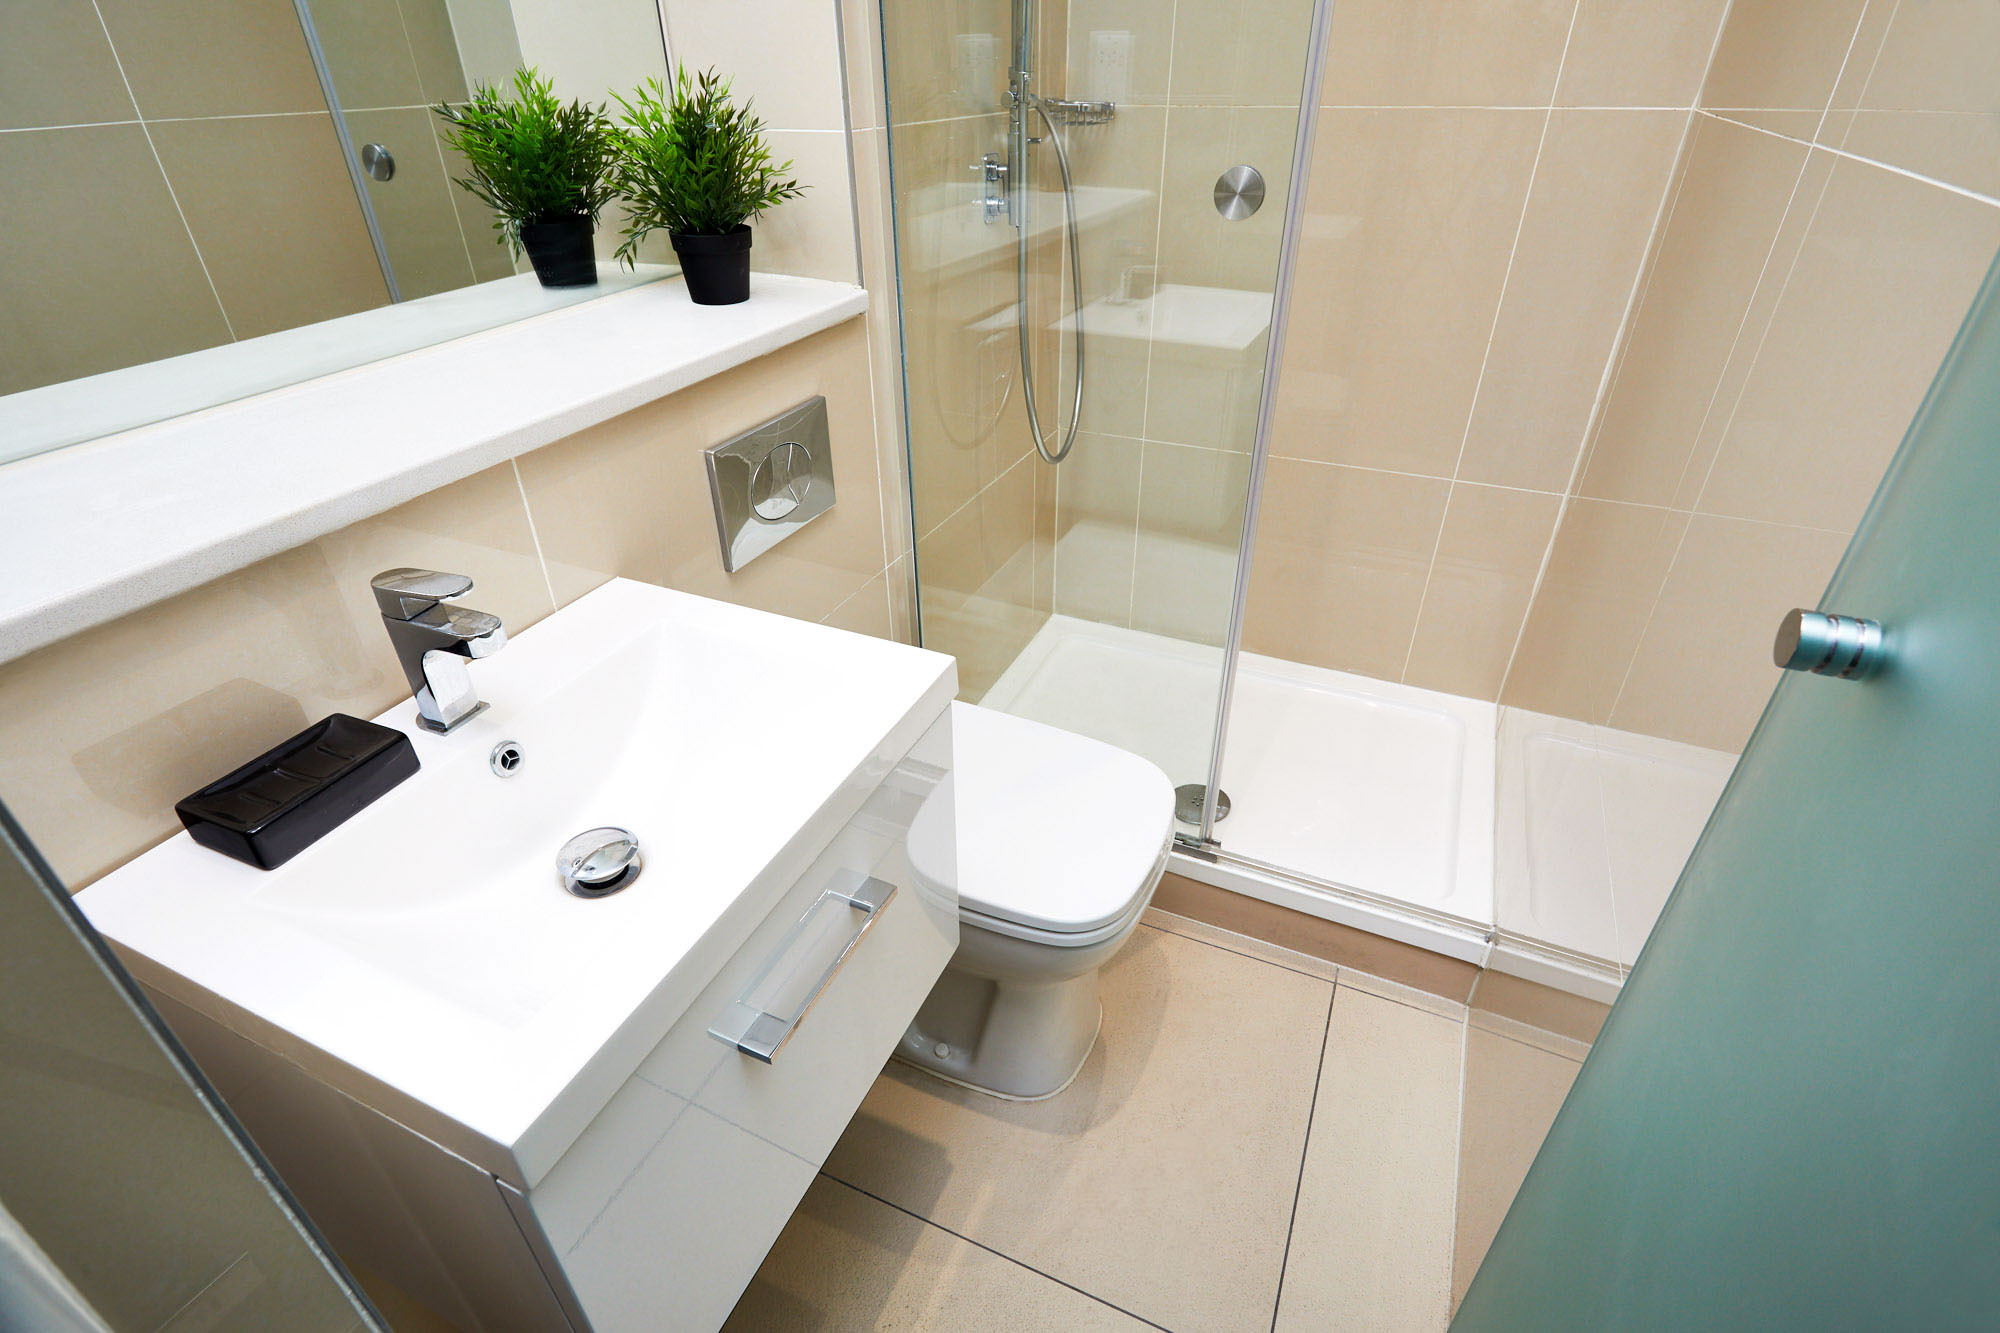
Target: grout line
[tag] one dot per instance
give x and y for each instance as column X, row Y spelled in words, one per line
column 1722, row 375
column 1614, row 362
column 1305, row 1152
column 1000, row 1254
column 1492, row 334
column 172, row 194
column 1877, row 163
column 970, row 500
column 535, row 536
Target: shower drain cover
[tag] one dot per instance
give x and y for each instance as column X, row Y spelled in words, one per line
column 1187, row 803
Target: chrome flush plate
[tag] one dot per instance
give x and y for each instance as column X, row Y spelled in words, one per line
column 770, row 482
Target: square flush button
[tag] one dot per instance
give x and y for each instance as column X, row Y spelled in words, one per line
column 770, row 482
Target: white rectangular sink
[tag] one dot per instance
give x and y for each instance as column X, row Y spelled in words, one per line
column 423, row 957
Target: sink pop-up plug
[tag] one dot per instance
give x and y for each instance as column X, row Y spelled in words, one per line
column 599, row 862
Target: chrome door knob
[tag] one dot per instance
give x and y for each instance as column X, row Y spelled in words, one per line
column 1846, row 647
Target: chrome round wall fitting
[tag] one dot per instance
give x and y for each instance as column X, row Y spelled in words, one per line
column 599, row 862
column 378, row 161
column 781, row 482
column 1239, row 192
column 1845, row 647
column 506, row 759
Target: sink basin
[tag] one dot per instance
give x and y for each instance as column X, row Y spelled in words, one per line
column 425, row 957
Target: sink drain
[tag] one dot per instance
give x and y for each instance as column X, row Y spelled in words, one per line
column 1187, row 803
column 599, row 862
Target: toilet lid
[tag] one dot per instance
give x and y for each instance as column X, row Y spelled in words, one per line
column 1055, row 830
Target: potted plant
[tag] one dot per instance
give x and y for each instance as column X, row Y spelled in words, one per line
column 696, row 165
column 542, row 166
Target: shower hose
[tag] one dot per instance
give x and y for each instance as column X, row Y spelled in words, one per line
column 1076, row 314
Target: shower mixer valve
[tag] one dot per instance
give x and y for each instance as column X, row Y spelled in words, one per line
column 993, row 202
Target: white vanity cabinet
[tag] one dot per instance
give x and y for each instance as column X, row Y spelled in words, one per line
column 539, row 1112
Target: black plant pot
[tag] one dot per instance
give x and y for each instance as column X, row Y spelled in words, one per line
column 717, row 268
column 560, row 251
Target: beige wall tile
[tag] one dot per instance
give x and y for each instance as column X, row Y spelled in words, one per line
column 1604, row 573
column 945, row 60
column 783, row 55
column 101, row 733
column 1340, row 564
column 56, row 67
column 1190, row 528
column 1830, row 395
column 415, row 208
column 861, row 47
column 846, row 1260
column 279, row 257
column 630, row 498
column 213, row 57
column 1728, row 211
column 435, row 46
column 965, row 416
column 487, row 250
column 1487, row 558
column 1371, row 1235
column 1097, row 517
column 104, row 226
column 1929, row 104
column 977, row 580
column 1411, row 218
column 368, row 54
column 1781, row 53
column 1141, row 28
column 1600, row 182
column 1703, row 671
column 1127, row 154
column 1512, row 1093
column 811, row 236
column 1444, row 52
column 1240, row 55
column 1169, row 1205
column 1199, row 245
column 1639, row 52
column 866, row 612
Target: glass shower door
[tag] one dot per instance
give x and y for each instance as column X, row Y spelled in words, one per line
column 1093, row 593
column 1789, row 1119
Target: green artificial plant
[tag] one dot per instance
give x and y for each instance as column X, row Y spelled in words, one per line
column 694, row 162
column 531, row 157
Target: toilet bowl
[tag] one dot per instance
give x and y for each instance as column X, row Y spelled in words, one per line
column 1060, row 842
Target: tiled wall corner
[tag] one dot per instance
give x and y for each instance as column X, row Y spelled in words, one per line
column 1836, row 216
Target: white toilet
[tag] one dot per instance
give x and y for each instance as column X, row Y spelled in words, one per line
column 1061, row 842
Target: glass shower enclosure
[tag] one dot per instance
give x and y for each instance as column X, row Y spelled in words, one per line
column 1090, row 205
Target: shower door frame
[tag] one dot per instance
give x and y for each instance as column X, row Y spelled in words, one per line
column 1203, row 842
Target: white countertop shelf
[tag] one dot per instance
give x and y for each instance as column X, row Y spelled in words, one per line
column 94, row 531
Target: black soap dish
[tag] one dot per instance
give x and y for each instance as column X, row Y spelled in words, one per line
column 288, row 798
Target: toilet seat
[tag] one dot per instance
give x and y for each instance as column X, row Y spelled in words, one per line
column 1059, row 837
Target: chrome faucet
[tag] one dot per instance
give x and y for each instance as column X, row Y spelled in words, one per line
column 434, row 641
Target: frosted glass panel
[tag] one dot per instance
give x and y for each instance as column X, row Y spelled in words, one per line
column 1790, row 1119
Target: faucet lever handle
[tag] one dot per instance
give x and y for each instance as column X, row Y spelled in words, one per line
column 404, row 594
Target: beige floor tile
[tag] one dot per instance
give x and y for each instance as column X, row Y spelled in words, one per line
column 1512, row 1092
column 1371, row 1244
column 1163, row 1179
column 847, row 1261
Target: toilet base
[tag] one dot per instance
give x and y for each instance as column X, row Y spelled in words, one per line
column 1008, row 1039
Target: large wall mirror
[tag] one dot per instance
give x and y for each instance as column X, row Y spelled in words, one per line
column 205, row 199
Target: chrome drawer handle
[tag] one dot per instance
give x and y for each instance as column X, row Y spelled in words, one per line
column 775, row 1001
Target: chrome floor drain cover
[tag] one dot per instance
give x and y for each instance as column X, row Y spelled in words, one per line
column 1187, row 803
